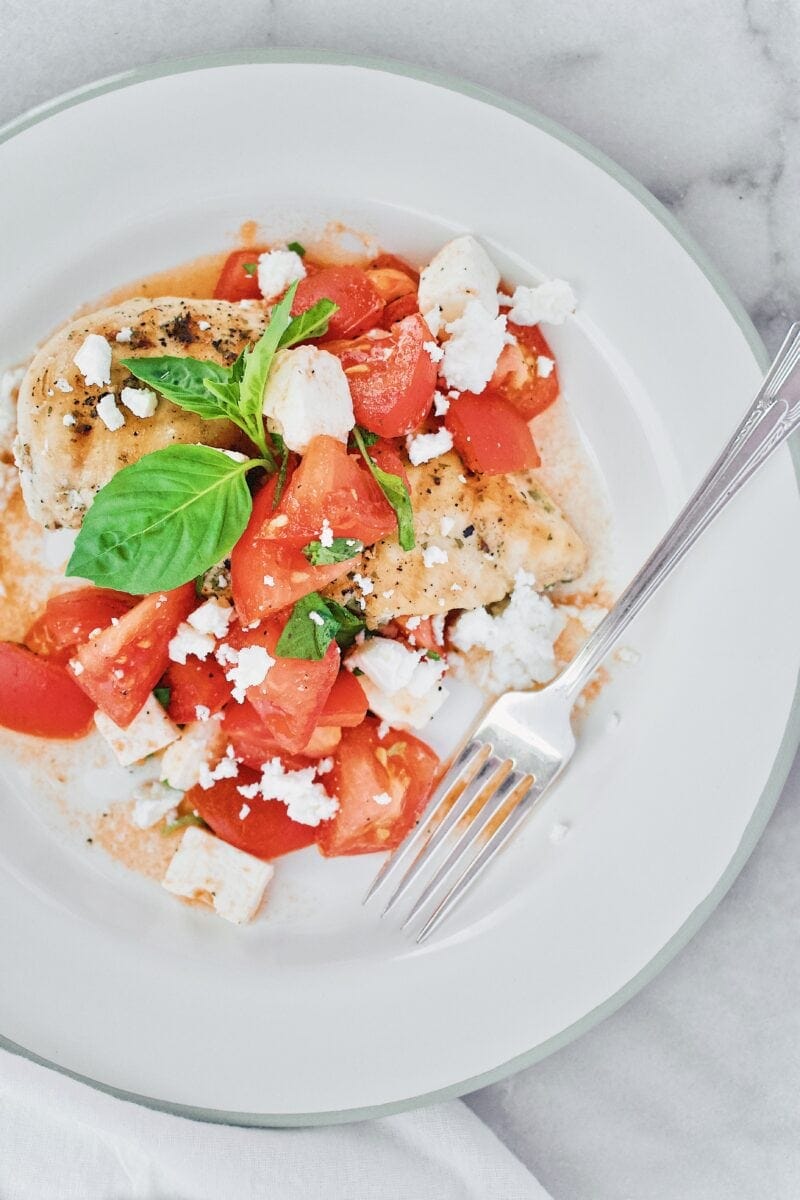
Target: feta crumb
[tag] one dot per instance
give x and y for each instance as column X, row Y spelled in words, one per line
column 441, row 405
column 423, row 447
column 269, row 581
column 75, row 666
column 383, row 729
column 125, row 334
column 326, row 533
column 551, row 302
column 213, row 617
column 249, row 790
column 458, row 273
column 152, row 801
column 108, row 412
column 306, row 801
column 366, row 585
column 413, row 622
column 544, row 366
column 473, row 348
column 307, row 394
column 387, row 595
column 252, row 666
column 182, row 763
column 277, row 269
column 317, row 618
column 244, row 811
column 202, row 712
column 63, row 385
column 206, row 868
column 93, row 360
column 324, row 766
column 433, row 556
column 149, row 731
column 382, row 798
column 189, row 641
column 226, row 768
column 204, row 325
column 68, row 419
column 558, row 832
column 141, row 401
column 446, row 525
column 456, row 587
column 402, row 687
column 226, row 655
column 435, row 352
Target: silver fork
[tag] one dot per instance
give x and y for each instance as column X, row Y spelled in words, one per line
column 525, row 740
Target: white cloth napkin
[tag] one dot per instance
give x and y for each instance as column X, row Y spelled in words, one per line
column 61, row 1140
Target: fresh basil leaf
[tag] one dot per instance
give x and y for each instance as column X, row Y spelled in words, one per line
column 181, row 823
column 250, row 268
column 162, row 695
column 183, row 381
column 395, row 491
column 367, row 436
column 311, row 323
column 258, row 361
column 339, row 551
column 309, row 631
column 161, row 521
column 297, row 247
column 350, row 623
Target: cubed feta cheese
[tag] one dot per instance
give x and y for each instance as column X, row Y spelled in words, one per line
column 206, row 868
column 306, row 801
column 276, row 270
column 189, row 641
column 141, row 401
column 152, row 801
column 149, row 731
column 183, row 760
column 307, row 394
column 423, row 447
column 461, row 271
column 93, row 360
column 551, row 302
column 108, row 412
column 473, row 348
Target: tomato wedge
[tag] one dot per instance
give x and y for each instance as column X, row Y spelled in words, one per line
column 70, row 617
column 360, row 304
column 391, row 376
column 397, row 310
column 265, row 830
column 234, row 283
column 122, row 665
column 491, row 435
column 520, row 378
column 269, row 575
column 40, row 697
column 292, row 696
column 365, row 766
column 346, row 703
column 192, row 684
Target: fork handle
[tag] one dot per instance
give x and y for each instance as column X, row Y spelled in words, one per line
column 771, row 418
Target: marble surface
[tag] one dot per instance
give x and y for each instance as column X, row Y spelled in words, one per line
column 692, row 1091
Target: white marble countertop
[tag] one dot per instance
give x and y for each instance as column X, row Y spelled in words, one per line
column 692, row 1091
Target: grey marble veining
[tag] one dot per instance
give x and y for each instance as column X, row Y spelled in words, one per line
column 691, row 1092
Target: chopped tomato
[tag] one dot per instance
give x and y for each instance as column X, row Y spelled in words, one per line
column 365, row 766
column 360, row 304
column 252, row 739
column 520, row 379
column 392, row 377
column 265, row 830
column 234, row 282
column 393, row 262
column 331, row 485
column 323, row 741
column 70, row 617
column 490, row 434
column 418, row 631
column 268, row 575
column 40, row 697
column 293, row 694
column 122, row 665
column 195, row 684
column 346, row 703
column 398, row 310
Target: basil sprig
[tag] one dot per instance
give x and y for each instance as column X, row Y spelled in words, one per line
column 339, row 551
column 395, row 491
column 314, row 623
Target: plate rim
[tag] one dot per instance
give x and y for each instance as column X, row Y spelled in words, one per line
column 791, row 734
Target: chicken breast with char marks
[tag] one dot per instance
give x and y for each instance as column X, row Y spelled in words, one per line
column 65, row 451
column 473, row 533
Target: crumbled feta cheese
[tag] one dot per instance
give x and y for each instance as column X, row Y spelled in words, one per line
column 149, row 731
column 307, row 394
column 324, row 766
column 382, row 798
column 423, row 447
column 544, row 366
column 317, row 618
column 473, row 348
column 63, row 385
column 204, row 325
column 365, row 584
column 441, row 405
column 306, row 801
column 437, row 625
column 152, row 801
column 244, row 811
column 401, row 687
column 269, row 581
column 213, row 617
column 551, row 302
column 182, row 762
column 141, row 401
column 413, row 622
column 520, row 639
column 226, row 768
column 276, row 270
column 435, row 352
column 456, row 587
column 558, row 832
column 387, row 595
column 226, row 655
column 108, row 412
column 188, row 641
column 202, row 712
column 252, row 665
column 326, row 533
column 93, row 360
column 433, row 556
column 383, row 729
column 76, row 667
column 386, row 663
column 125, row 334
column 206, row 868
column 249, row 790
column 68, row 419
column 446, row 525
column 459, row 273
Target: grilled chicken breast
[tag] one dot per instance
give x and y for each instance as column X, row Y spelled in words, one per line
column 63, row 465
column 487, row 526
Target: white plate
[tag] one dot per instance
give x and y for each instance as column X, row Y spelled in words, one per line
column 315, row 1013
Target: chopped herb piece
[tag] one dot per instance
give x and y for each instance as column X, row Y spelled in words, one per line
column 250, row 268
column 297, row 247
column 339, row 551
column 307, row 636
column 162, row 695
